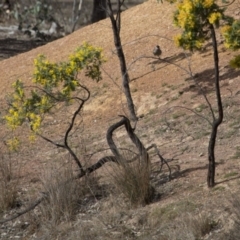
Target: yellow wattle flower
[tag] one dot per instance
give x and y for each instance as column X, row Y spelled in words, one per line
column 214, row 17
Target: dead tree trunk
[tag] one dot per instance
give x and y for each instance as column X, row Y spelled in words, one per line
column 216, row 121
column 99, row 10
column 116, row 27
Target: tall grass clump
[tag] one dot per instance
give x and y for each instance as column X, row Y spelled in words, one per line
column 188, row 227
column 234, row 232
column 64, row 194
column 8, row 186
column 132, row 179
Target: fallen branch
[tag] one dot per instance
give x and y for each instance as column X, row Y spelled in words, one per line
column 31, row 207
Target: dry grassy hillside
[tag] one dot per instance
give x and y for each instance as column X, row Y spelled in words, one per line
column 184, row 207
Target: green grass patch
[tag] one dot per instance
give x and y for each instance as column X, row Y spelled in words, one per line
column 218, row 188
column 178, row 115
column 230, row 133
column 235, row 124
column 152, row 111
column 231, row 174
column 105, row 85
column 173, row 87
column 237, row 153
column 201, row 134
column 134, row 90
column 189, row 122
column 160, row 130
column 201, row 107
column 174, row 98
column 173, row 210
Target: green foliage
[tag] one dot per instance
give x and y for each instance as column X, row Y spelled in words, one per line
column 230, row 174
column 54, row 83
column 231, row 35
column 235, row 62
column 194, row 17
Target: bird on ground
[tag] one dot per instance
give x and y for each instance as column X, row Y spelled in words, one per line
column 157, row 51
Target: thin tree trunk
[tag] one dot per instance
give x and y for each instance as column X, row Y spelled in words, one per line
column 125, row 75
column 216, row 121
column 116, row 26
column 76, row 13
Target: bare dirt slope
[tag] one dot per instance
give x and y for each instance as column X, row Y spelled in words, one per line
column 161, row 91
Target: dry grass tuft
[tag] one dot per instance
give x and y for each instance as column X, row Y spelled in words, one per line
column 234, row 232
column 188, row 227
column 65, row 195
column 201, row 225
column 8, row 187
column 132, row 179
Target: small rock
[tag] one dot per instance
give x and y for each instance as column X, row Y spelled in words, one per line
column 192, row 86
column 187, row 139
column 116, row 233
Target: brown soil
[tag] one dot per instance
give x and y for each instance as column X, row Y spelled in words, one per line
column 162, row 92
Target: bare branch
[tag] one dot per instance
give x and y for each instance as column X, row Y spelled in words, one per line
column 228, row 4
column 142, row 153
column 18, row 214
column 191, row 110
column 71, row 126
column 50, row 141
column 162, row 160
column 200, row 88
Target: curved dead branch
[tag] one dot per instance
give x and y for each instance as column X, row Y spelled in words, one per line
column 115, row 158
column 162, row 160
column 126, row 122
